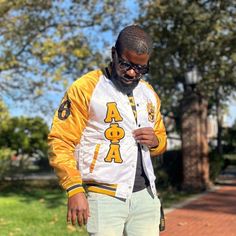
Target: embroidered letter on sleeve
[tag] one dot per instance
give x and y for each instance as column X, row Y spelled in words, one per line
column 64, row 109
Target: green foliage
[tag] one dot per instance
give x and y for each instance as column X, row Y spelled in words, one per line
column 216, row 163
column 168, row 169
column 229, row 138
column 25, row 136
column 191, row 33
column 5, row 152
column 169, row 198
column 186, row 34
column 47, row 44
column 27, row 139
column 5, row 161
column 4, row 113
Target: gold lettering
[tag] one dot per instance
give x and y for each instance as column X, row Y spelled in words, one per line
column 114, row 154
column 114, row 133
column 112, row 113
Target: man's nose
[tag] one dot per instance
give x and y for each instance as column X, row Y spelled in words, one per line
column 131, row 72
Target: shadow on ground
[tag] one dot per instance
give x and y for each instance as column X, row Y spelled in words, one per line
column 222, row 199
column 52, row 196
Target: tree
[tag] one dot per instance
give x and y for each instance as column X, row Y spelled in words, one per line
column 25, row 136
column 47, row 43
column 4, row 113
column 192, row 33
column 5, row 153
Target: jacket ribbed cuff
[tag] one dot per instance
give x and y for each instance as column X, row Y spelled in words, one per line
column 72, row 190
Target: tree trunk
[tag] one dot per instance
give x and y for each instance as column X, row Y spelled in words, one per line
column 194, row 143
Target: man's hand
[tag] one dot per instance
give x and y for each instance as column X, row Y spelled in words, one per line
column 78, row 209
column 146, row 136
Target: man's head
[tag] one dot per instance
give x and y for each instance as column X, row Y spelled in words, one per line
column 130, row 58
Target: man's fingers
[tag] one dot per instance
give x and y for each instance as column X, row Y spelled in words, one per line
column 73, row 216
column 68, row 216
column 85, row 216
column 146, row 130
column 145, row 136
column 80, row 218
column 145, row 139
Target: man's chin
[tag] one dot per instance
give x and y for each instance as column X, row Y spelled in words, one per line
column 122, row 84
column 126, row 88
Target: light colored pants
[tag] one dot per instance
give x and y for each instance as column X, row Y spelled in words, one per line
column 138, row 216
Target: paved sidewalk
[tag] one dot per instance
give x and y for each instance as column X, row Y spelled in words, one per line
column 210, row 214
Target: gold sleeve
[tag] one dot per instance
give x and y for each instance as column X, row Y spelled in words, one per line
column 68, row 124
column 160, row 131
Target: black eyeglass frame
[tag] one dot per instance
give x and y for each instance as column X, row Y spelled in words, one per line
column 126, row 65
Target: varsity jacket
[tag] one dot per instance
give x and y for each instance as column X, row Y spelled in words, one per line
column 91, row 141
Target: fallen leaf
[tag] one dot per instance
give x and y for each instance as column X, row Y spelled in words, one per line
column 71, row 228
column 182, row 223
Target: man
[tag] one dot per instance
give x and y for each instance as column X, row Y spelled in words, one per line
column 103, row 134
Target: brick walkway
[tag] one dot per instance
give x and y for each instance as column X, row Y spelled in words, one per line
column 211, row 214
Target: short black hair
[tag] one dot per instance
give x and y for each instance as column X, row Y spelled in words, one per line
column 134, row 38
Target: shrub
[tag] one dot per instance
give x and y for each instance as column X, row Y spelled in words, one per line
column 6, row 155
column 216, row 163
column 168, row 169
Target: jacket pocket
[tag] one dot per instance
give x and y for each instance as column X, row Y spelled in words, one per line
column 95, row 156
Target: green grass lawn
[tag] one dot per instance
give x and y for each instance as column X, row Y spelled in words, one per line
column 27, row 211
column 171, row 197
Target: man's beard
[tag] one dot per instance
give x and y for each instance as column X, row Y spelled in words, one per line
column 118, row 81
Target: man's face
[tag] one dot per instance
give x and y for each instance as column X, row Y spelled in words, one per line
column 128, row 68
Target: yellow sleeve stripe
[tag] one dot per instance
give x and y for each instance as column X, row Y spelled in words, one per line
column 93, row 183
column 100, row 190
column 95, row 157
column 78, row 188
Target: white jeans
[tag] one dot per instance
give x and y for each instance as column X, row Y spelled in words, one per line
column 138, row 216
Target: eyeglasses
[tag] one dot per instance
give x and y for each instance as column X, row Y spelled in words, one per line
column 125, row 66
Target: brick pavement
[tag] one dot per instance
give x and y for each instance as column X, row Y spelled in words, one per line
column 211, row 214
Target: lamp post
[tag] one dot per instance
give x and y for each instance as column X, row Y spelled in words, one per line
column 194, row 135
